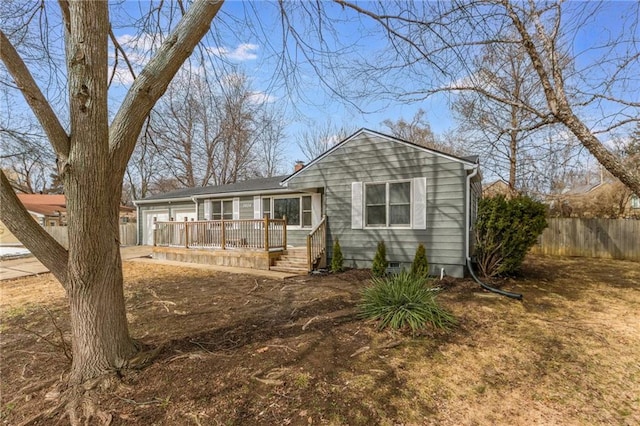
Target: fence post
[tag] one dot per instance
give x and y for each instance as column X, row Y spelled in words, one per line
column 222, row 235
column 266, row 233
column 186, row 232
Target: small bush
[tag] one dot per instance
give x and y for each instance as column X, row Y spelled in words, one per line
column 337, row 261
column 420, row 265
column 403, row 300
column 379, row 267
column 505, row 231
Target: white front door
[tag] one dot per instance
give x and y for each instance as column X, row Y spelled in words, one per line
column 180, row 215
column 147, row 232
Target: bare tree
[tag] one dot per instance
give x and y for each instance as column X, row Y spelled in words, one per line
column 271, row 144
column 320, row 138
column 433, row 41
column 92, row 157
column 209, row 133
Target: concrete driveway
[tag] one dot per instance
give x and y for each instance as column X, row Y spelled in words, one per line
column 26, row 266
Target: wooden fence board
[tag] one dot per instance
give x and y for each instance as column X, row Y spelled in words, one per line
column 128, row 234
column 605, row 238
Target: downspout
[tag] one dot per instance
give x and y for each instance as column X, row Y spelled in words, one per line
column 468, row 243
column 139, row 224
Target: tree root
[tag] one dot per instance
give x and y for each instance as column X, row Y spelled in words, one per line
column 80, row 402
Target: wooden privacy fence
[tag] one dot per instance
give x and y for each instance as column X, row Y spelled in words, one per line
column 606, row 238
column 128, row 234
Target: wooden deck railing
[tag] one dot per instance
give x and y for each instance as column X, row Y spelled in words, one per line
column 259, row 234
column 317, row 245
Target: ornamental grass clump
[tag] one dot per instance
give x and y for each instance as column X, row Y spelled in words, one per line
column 404, row 300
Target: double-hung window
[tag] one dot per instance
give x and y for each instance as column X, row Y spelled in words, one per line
column 296, row 209
column 388, row 204
column 222, row 209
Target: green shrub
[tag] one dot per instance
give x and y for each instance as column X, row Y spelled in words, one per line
column 420, row 265
column 337, row 261
column 403, row 300
column 379, row 267
column 505, row 231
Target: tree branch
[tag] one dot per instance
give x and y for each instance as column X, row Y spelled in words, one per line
column 34, row 97
column 18, row 220
column 155, row 78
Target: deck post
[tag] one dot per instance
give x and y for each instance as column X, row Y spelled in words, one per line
column 284, row 233
column 223, row 239
column 186, row 232
column 155, row 230
column 309, row 265
column 266, row 233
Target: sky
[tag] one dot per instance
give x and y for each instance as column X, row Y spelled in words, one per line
column 257, row 56
column 248, row 37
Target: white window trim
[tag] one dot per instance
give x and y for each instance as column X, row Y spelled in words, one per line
column 387, row 204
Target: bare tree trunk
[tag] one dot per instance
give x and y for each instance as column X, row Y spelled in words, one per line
column 100, row 335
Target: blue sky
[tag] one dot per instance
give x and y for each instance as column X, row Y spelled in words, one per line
column 251, row 36
column 247, row 49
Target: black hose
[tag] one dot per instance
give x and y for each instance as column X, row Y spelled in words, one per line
column 489, row 288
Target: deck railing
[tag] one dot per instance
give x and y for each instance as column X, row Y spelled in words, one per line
column 259, row 234
column 317, row 245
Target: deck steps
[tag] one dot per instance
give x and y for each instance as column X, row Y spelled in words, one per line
column 294, row 260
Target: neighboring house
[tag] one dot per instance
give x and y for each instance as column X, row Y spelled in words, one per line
column 48, row 210
column 609, row 198
column 369, row 187
column 498, row 187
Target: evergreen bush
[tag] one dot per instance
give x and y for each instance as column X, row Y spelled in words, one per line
column 379, row 267
column 403, row 300
column 505, row 230
column 337, row 261
column 420, row 265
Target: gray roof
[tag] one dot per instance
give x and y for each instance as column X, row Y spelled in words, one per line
column 259, row 184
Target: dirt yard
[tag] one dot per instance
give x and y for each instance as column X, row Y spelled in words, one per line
column 245, row 351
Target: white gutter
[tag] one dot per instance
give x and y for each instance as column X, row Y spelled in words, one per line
column 266, row 193
column 162, row 200
column 468, row 213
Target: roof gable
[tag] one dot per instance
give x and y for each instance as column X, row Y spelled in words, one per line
column 470, row 161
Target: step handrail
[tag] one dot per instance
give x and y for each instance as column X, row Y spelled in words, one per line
column 317, row 243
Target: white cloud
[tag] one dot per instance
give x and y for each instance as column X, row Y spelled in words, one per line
column 243, row 52
column 258, row 98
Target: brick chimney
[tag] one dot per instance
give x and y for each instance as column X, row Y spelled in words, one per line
column 299, row 165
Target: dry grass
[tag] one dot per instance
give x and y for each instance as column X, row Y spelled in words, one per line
column 247, row 351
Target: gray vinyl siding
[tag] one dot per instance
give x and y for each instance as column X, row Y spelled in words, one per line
column 371, row 159
column 246, row 207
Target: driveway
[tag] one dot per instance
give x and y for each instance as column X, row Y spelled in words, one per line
column 23, row 267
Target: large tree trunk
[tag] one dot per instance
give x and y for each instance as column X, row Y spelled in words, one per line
column 91, row 164
column 94, row 277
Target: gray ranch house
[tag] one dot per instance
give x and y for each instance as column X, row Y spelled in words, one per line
column 367, row 188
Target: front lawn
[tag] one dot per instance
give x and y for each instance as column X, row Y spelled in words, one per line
column 241, row 350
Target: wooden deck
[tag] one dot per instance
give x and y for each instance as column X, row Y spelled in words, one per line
column 254, row 243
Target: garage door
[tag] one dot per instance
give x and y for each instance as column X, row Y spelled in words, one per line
column 148, row 219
